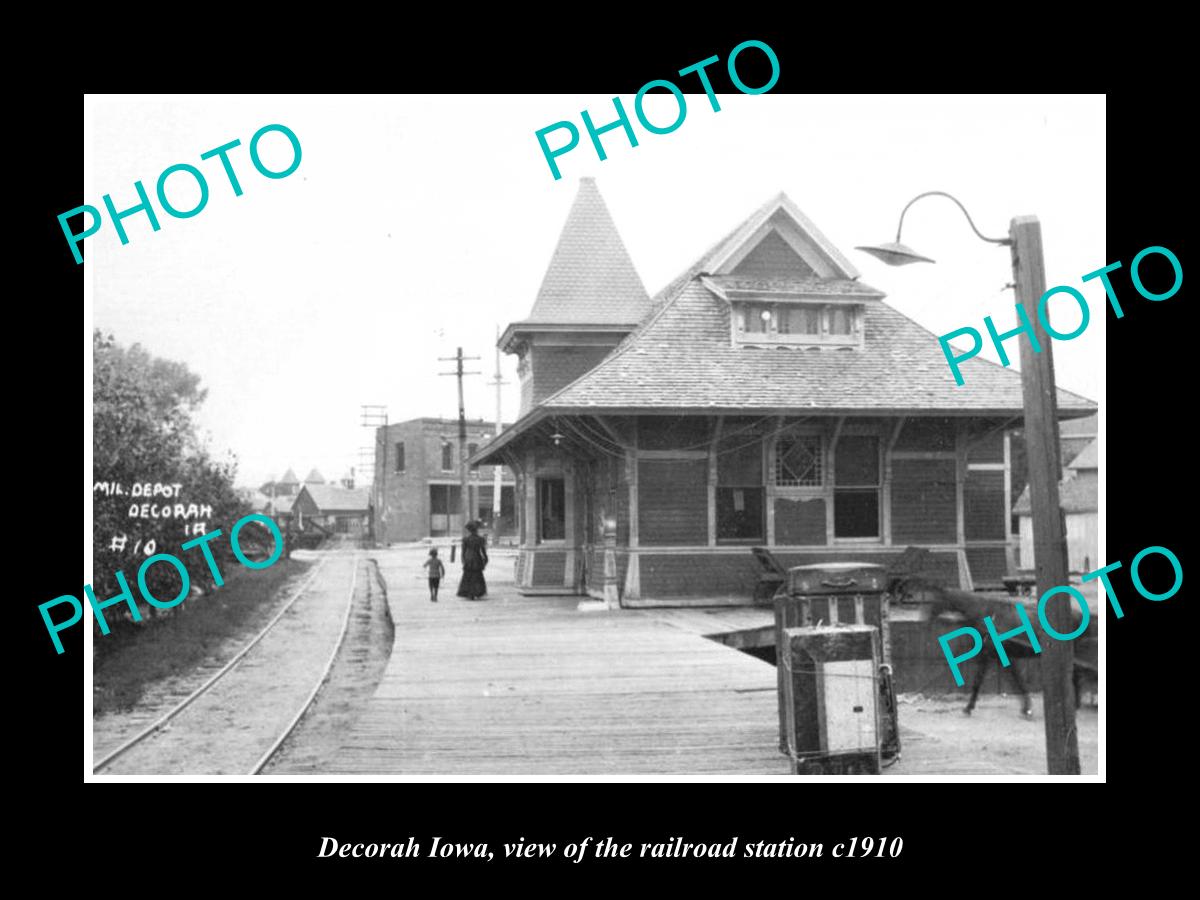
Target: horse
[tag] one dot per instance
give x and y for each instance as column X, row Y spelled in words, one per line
column 974, row 608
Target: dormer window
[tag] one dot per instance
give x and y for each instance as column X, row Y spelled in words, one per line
column 805, row 324
column 800, row 320
column 758, row 319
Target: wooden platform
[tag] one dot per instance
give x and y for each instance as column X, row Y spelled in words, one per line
column 744, row 627
column 529, row 685
column 532, row 686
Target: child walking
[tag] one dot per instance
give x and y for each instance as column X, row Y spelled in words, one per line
column 436, row 572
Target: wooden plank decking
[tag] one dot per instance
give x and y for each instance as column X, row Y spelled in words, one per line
column 530, row 685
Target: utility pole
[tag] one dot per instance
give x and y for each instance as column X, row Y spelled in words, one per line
column 375, row 415
column 463, row 485
column 1049, row 539
column 365, row 463
column 497, row 470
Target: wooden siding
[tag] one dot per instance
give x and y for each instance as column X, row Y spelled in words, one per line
column 987, row 448
column 698, row 575
column 714, row 576
column 984, row 508
column 672, row 502
column 304, row 504
column 927, row 434
column 773, row 258
column 800, row 520
column 674, row 432
column 548, row 567
column 988, row 565
column 556, row 367
column 924, row 501
column 941, row 566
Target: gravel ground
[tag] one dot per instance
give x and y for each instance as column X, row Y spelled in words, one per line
column 356, row 672
column 937, row 739
column 159, row 672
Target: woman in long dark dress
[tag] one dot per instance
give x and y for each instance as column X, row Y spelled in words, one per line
column 474, row 561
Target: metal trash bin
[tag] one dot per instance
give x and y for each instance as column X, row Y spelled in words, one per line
column 840, row 594
column 831, row 681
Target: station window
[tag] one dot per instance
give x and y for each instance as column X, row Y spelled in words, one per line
column 799, row 461
column 551, row 509
column 798, row 323
column 856, row 487
column 740, row 494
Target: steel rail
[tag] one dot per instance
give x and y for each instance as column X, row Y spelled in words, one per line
column 274, row 748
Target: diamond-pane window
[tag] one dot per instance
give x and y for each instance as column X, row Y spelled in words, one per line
column 798, row 461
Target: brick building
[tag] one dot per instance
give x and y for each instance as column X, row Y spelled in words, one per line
column 765, row 397
column 417, row 469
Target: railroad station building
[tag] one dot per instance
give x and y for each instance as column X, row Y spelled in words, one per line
column 416, row 491
column 765, row 397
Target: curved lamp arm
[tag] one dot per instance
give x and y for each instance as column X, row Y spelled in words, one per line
column 900, row 227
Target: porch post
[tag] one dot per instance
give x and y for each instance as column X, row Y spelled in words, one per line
column 531, row 519
column 960, row 483
column 1010, row 552
column 569, row 564
column 633, row 574
column 712, row 481
column 769, row 450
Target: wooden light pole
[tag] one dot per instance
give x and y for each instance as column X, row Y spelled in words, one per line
column 1049, row 538
column 1040, row 399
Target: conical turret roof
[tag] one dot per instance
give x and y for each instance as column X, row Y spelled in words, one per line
column 591, row 279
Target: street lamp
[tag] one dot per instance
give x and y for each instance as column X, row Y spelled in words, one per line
column 1040, row 399
column 897, row 254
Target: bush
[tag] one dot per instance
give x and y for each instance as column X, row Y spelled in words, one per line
column 143, row 432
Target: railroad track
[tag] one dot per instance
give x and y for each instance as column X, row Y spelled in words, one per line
column 166, row 718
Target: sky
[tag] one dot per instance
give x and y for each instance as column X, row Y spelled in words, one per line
column 418, row 224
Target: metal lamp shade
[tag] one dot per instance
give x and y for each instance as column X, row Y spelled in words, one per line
column 895, row 254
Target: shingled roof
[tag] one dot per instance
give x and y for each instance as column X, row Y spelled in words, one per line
column 1085, row 427
column 1078, row 494
column 281, row 505
column 682, row 357
column 591, row 279
column 1088, row 458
